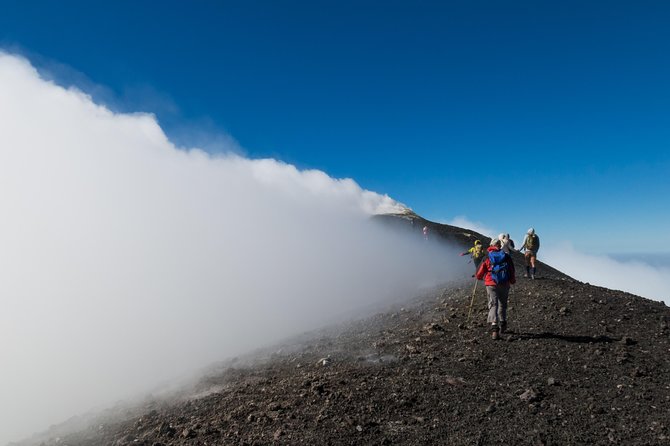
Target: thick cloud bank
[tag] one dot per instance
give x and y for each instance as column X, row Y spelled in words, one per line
column 633, row 276
column 126, row 261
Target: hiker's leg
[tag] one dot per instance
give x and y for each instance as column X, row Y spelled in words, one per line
column 503, row 294
column 493, row 305
column 532, row 265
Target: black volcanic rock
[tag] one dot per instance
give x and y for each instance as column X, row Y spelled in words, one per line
column 583, row 365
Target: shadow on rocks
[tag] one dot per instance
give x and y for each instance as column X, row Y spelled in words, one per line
column 567, row 338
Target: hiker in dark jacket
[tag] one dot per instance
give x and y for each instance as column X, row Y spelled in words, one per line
column 531, row 243
column 497, row 270
column 476, row 253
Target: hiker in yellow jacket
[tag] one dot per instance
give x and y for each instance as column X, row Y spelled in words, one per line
column 476, row 253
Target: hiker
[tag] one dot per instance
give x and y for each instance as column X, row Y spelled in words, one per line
column 497, row 270
column 425, row 232
column 476, row 253
column 506, row 243
column 531, row 243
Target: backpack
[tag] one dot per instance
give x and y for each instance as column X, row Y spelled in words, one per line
column 531, row 243
column 499, row 267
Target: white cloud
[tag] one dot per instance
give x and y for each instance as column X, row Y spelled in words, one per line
column 126, row 261
column 632, row 276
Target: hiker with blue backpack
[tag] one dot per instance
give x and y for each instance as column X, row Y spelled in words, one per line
column 497, row 270
column 531, row 243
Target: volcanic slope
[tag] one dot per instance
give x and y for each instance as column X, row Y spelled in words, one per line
column 580, row 365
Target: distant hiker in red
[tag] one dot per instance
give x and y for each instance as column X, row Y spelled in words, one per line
column 506, row 243
column 476, row 253
column 497, row 270
column 531, row 243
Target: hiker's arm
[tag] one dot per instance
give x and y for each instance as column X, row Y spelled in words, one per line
column 481, row 271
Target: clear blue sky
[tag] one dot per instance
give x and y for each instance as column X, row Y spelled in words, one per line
column 552, row 114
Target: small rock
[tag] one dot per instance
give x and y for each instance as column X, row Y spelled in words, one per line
column 277, row 434
column 433, row 327
column 626, row 340
column 553, row 382
column 188, row 433
column 529, row 396
column 359, row 428
column 638, row 372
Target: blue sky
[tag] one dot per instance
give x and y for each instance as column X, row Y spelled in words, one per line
column 546, row 114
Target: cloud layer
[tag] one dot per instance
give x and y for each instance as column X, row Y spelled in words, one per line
column 127, row 261
column 633, row 276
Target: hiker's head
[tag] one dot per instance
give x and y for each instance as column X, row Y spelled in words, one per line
column 531, row 231
column 477, row 242
column 503, row 237
column 495, row 242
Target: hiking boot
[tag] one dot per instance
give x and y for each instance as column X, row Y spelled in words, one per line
column 494, row 332
column 503, row 327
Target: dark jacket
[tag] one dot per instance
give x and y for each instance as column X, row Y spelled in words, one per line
column 484, row 271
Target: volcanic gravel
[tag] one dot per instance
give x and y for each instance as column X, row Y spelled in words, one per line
column 580, row 364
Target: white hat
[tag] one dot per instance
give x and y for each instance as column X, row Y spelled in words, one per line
column 495, row 242
column 531, row 231
column 502, row 237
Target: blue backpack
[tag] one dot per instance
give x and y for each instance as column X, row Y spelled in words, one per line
column 499, row 267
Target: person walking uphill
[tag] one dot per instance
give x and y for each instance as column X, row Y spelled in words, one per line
column 477, row 254
column 531, row 243
column 497, row 270
column 506, row 243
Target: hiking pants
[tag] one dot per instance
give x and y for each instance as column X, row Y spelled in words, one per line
column 497, row 303
column 477, row 263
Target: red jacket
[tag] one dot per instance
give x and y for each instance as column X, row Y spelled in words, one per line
column 484, row 271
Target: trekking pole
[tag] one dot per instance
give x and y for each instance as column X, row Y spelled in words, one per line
column 472, row 301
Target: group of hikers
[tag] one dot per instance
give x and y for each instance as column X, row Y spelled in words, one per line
column 496, row 268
